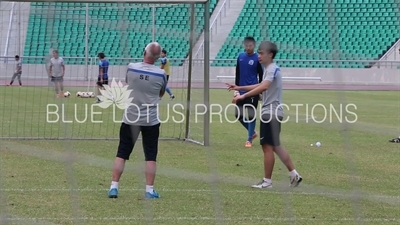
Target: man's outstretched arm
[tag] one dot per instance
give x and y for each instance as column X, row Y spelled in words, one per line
column 257, row 89
column 263, row 86
column 249, row 87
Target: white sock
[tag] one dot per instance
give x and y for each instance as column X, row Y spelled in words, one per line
column 266, row 180
column 149, row 188
column 293, row 173
column 114, row 185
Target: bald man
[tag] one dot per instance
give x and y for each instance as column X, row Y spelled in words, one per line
column 148, row 83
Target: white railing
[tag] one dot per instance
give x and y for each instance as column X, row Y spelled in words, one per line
column 9, row 31
column 392, row 50
column 283, row 78
column 213, row 25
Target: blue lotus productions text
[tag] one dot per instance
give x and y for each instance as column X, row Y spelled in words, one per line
column 176, row 113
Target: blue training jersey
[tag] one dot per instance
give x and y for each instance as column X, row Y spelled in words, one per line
column 103, row 65
column 248, row 70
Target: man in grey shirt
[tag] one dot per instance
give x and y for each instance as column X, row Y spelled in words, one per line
column 271, row 115
column 148, row 83
column 17, row 72
column 56, row 73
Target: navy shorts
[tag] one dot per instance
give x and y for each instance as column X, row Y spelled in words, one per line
column 270, row 130
column 57, row 79
column 128, row 136
column 105, row 81
column 249, row 101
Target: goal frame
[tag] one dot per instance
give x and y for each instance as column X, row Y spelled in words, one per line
column 206, row 59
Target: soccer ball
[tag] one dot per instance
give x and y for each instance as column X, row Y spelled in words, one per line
column 67, row 94
column 90, row 94
column 85, row 94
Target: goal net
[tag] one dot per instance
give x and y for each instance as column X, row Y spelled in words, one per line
column 336, row 130
column 79, row 31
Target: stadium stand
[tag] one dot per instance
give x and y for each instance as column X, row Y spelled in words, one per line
column 311, row 29
column 62, row 26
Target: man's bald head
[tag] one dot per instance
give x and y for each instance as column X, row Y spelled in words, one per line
column 152, row 52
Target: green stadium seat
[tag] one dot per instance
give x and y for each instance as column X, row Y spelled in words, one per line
column 65, row 30
column 303, row 29
column 308, row 29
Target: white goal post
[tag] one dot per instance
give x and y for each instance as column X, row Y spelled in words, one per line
column 188, row 62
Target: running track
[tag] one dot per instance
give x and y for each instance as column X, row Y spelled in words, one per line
column 215, row 85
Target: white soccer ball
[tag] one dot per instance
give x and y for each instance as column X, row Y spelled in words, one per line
column 90, row 94
column 67, row 94
column 78, row 94
column 318, row 144
column 84, row 95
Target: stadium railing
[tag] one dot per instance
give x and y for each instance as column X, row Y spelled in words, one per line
column 75, row 70
column 385, row 74
column 318, row 72
column 394, row 49
column 213, row 27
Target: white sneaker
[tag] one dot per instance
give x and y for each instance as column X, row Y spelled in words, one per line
column 295, row 180
column 262, row 184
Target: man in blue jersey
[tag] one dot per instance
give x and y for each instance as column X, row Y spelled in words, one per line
column 248, row 72
column 103, row 73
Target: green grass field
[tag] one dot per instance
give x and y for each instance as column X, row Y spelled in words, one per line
column 353, row 175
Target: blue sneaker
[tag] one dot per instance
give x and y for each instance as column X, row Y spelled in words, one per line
column 113, row 193
column 152, row 195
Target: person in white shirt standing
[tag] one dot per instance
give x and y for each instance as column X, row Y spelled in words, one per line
column 17, row 72
column 56, row 73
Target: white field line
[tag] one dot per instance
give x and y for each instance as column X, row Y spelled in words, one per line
column 190, row 175
column 23, row 220
column 207, row 218
column 332, row 194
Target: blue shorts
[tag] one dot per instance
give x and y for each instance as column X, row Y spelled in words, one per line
column 105, row 81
